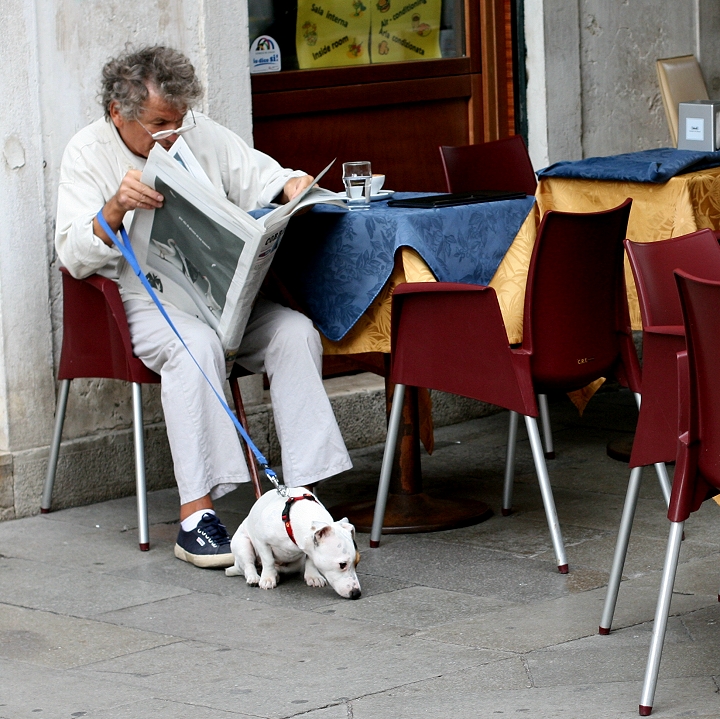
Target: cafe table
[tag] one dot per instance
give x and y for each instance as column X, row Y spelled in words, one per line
column 341, row 267
column 674, row 192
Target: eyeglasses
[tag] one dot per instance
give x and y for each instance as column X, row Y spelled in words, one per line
column 163, row 134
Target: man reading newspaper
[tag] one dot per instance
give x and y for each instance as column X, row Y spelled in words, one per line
column 147, row 97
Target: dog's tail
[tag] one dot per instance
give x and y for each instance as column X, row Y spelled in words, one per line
column 234, row 571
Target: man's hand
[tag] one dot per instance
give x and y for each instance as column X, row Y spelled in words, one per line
column 131, row 195
column 294, row 186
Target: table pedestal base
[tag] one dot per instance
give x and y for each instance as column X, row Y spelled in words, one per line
column 408, row 513
column 620, row 448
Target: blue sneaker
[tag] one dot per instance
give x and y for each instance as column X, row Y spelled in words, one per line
column 208, row 545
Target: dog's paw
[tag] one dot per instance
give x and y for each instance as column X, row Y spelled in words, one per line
column 252, row 578
column 315, row 580
column 268, row 582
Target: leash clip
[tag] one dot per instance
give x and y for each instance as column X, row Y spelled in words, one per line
column 282, row 490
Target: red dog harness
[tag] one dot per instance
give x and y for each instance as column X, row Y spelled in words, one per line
column 286, row 514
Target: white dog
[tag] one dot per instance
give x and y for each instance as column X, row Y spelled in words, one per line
column 285, row 533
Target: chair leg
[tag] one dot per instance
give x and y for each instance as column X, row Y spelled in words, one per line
column 547, row 429
column 664, row 480
column 242, row 418
column 510, row 464
column 547, row 495
column 386, row 471
column 662, row 612
column 631, row 497
column 141, row 487
column 46, row 503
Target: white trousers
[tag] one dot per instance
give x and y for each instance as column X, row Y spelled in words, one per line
column 205, row 447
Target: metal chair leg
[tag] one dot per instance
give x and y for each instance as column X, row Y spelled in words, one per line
column 510, row 464
column 662, row 613
column 141, row 487
column 46, row 503
column 386, row 471
column 621, row 546
column 547, row 429
column 547, row 495
column 664, row 480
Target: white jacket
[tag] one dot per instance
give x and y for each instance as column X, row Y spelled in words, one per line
column 95, row 162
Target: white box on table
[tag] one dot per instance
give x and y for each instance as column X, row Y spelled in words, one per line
column 698, row 125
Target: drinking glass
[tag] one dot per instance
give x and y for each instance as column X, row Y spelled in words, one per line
column 357, row 177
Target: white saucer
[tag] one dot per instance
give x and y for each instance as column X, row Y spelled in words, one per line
column 381, row 195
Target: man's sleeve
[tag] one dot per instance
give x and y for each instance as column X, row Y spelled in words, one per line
column 79, row 199
column 254, row 178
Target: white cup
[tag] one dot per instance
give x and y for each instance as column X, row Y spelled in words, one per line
column 377, row 182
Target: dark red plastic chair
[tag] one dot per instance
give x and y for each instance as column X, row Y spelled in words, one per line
column 697, row 472
column 96, row 344
column 497, row 165
column 655, row 440
column 451, row 337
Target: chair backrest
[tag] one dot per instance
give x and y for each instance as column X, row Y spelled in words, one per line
column 96, row 337
column 698, row 466
column 497, row 165
column 680, row 80
column 653, row 264
column 576, row 323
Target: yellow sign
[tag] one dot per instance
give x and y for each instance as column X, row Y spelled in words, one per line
column 336, row 33
column 405, row 30
column 333, row 33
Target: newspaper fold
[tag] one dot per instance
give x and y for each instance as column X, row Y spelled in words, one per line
column 201, row 245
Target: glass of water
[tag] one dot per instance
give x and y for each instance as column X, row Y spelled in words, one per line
column 357, row 177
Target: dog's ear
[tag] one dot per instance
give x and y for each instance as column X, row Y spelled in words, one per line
column 320, row 530
column 345, row 524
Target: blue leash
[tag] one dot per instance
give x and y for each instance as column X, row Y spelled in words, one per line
column 123, row 244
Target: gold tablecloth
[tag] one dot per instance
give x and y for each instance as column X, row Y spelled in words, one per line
column 683, row 204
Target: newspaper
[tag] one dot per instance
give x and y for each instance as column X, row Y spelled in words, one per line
column 200, row 245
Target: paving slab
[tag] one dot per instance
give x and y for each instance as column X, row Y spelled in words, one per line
column 274, row 685
column 164, row 709
column 483, row 572
column 610, row 701
column 74, row 592
column 290, row 592
column 51, row 640
column 30, row 690
column 556, row 621
column 418, row 607
column 66, row 544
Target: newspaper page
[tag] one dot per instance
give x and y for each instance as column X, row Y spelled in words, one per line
column 202, row 246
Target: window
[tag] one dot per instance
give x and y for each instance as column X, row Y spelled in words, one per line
column 345, row 33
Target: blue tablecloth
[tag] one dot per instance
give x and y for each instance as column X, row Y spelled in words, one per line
column 340, row 260
column 648, row 166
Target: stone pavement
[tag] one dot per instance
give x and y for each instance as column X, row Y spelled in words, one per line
column 474, row 622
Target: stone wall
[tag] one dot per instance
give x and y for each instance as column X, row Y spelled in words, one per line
column 592, row 85
column 52, row 52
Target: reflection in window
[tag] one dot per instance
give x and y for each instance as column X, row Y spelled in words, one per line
column 334, row 33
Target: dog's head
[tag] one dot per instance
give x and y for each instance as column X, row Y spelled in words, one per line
column 335, row 554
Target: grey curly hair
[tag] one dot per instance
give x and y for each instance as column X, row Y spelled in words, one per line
column 125, row 80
